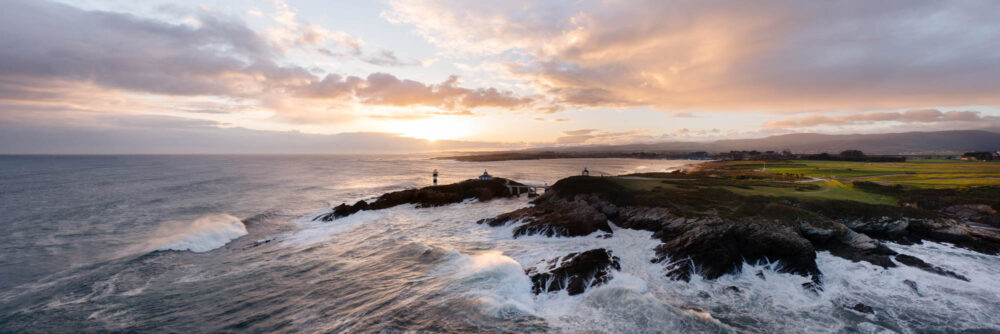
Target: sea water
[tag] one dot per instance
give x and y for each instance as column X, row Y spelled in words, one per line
column 227, row 243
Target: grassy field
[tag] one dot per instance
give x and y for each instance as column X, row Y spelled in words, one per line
column 821, row 180
column 828, row 189
column 822, row 189
column 919, row 173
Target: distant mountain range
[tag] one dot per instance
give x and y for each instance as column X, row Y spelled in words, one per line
column 888, row 143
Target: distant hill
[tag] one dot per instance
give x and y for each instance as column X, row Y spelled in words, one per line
column 888, row 143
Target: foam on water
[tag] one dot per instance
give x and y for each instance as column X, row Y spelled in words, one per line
column 759, row 298
column 499, row 284
column 200, row 235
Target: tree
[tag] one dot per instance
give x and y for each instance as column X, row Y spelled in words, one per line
column 852, row 154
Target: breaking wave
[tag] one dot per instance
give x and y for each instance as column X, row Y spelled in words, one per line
column 200, row 235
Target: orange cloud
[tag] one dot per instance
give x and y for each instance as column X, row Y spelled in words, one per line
column 220, row 57
column 731, row 55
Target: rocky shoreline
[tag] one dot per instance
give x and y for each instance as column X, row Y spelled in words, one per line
column 710, row 231
column 716, row 237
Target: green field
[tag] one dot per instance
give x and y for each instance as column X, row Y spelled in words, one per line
column 828, row 189
column 821, row 189
column 822, row 180
column 920, row 173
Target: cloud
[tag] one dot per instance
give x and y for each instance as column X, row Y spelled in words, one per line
column 386, row 89
column 221, row 56
column 172, row 135
column 388, row 58
column 48, row 46
column 910, row 116
column 595, row 136
column 730, row 55
column 550, row 109
column 579, row 132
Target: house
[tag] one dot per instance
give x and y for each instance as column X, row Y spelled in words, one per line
column 485, row 177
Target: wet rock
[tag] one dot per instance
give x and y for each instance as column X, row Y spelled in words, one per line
column 815, row 286
column 555, row 217
column 428, row 197
column 979, row 213
column 574, row 272
column 961, row 235
column 715, row 249
column 879, row 255
column 913, row 286
column 918, row 263
column 862, row 308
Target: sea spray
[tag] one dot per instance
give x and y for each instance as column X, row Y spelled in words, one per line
column 498, row 283
column 203, row 234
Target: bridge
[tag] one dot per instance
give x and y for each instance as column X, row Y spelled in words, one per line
column 526, row 188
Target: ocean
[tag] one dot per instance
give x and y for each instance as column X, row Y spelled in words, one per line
column 228, row 244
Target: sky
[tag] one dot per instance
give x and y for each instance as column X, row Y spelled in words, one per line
column 310, row 76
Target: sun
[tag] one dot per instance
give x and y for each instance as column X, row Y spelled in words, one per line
column 434, row 129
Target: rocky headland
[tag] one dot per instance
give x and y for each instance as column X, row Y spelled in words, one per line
column 711, row 231
column 705, row 228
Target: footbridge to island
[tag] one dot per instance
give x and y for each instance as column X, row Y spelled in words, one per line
column 518, row 189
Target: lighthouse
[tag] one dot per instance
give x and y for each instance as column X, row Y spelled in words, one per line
column 435, row 177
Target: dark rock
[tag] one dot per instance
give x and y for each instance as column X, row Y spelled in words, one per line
column 979, row 213
column 913, row 286
column 918, row 263
column 428, row 197
column 879, row 255
column 574, row 272
column 711, row 231
column 815, row 286
column 863, row 308
column 715, row 249
column 555, row 217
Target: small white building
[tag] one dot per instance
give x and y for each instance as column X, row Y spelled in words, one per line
column 485, row 177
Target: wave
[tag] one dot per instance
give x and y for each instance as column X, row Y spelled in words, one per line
column 203, row 234
column 498, row 283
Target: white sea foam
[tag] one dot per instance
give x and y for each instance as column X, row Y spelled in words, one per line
column 640, row 297
column 200, row 235
column 499, row 285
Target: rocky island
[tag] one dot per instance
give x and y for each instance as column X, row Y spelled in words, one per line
column 482, row 190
